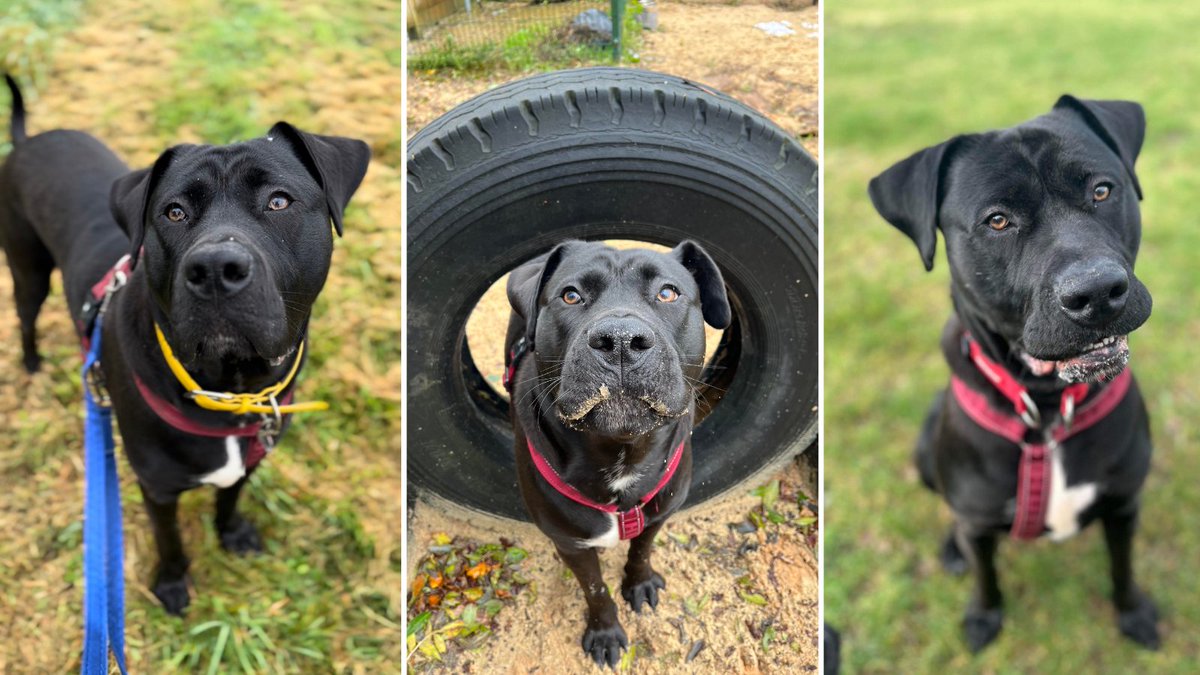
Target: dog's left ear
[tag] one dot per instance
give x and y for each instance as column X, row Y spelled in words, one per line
column 525, row 286
column 1120, row 124
column 714, row 304
column 337, row 163
column 129, row 199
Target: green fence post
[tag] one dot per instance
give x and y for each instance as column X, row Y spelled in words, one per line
column 618, row 18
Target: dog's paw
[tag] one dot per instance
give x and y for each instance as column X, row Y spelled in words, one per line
column 643, row 592
column 1140, row 624
column 32, row 363
column 981, row 626
column 605, row 645
column 952, row 559
column 173, row 594
column 241, row 537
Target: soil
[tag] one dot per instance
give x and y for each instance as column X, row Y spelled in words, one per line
column 540, row 631
column 714, row 44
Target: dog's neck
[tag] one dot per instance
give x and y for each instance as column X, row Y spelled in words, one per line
column 1045, row 389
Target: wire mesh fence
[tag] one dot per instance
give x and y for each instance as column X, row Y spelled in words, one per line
column 483, row 24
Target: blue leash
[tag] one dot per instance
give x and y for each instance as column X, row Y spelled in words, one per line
column 103, row 548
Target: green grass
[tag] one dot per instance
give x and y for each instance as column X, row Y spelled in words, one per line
column 533, row 48
column 900, row 77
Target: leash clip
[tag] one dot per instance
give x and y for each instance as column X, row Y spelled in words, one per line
column 116, row 283
column 94, row 381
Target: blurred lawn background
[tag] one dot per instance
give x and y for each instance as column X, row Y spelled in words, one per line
column 902, row 76
column 325, row 597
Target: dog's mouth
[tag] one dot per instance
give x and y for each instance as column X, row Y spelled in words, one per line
column 617, row 412
column 1096, row 362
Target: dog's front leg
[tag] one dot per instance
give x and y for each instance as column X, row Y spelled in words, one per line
column 170, row 579
column 237, row 534
column 984, row 616
column 604, row 639
column 641, row 583
column 1137, row 617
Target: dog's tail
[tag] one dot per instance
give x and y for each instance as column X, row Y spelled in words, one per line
column 17, row 123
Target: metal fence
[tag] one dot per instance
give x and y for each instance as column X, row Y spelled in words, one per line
column 467, row 24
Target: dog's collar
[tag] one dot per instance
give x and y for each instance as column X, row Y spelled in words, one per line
column 1017, row 393
column 1033, row 483
column 631, row 522
column 261, row 434
column 265, row 402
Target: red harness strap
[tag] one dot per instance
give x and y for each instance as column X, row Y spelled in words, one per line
column 122, row 268
column 1033, row 484
column 629, row 523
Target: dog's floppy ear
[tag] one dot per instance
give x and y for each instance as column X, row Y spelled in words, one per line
column 129, row 198
column 714, row 304
column 525, row 286
column 1120, row 124
column 337, row 163
column 908, row 195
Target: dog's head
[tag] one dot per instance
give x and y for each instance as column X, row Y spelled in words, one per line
column 1042, row 228
column 618, row 335
column 236, row 240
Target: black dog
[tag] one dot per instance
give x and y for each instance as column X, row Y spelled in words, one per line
column 604, row 346
column 1042, row 227
column 234, row 245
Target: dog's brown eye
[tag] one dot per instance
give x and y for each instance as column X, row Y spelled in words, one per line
column 278, row 202
column 997, row 221
column 1101, row 192
column 668, row 294
column 176, row 214
column 572, row 297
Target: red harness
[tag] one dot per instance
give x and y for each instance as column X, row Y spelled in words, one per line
column 629, row 523
column 1033, row 484
column 256, row 449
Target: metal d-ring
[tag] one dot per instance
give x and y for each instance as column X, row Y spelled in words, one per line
column 1031, row 416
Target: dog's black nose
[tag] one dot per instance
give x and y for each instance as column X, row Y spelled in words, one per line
column 1093, row 292
column 620, row 338
column 218, row 270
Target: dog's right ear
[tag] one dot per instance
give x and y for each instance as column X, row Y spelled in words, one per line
column 908, row 195
column 525, row 286
column 130, row 197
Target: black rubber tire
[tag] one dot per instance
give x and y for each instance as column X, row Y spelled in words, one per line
column 609, row 153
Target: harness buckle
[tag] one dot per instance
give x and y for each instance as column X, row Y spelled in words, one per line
column 1031, row 416
column 94, row 381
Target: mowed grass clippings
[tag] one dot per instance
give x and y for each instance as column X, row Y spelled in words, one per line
column 899, row 78
column 325, row 596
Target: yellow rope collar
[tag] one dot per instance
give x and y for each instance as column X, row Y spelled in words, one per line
column 239, row 404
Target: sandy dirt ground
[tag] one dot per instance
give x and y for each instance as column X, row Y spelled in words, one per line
column 710, row 567
column 714, row 44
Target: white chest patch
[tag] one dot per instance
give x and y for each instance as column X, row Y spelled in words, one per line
column 618, row 483
column 607, row 540
column 232, row 471
column 1065, row 503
